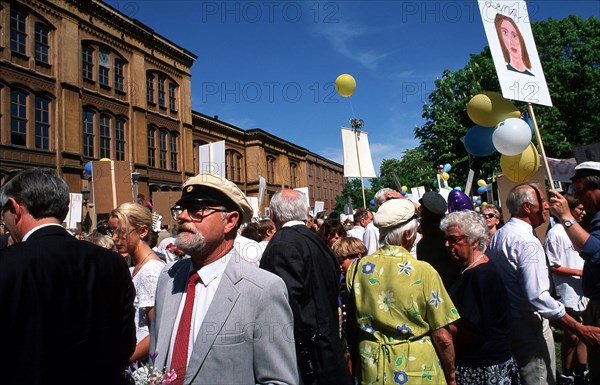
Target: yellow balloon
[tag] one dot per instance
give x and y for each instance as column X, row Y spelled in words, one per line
column 484, row 204
column 404, row 188
column 490, row 108
column 481, row 183
column 345, row 85
column 104, row 160
column 522, row 167
column 445, row 176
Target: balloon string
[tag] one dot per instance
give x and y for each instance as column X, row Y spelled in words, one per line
column 352, row 109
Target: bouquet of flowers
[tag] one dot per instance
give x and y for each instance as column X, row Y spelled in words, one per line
column 357, row 124
column 147, row 374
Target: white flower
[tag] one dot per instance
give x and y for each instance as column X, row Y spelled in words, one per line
column 368, row 355
column 386, row 300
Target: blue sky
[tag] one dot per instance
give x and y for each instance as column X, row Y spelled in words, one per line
column 272, row 64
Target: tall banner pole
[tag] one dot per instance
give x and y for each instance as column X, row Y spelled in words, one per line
column 362, row 184
column 539, row 139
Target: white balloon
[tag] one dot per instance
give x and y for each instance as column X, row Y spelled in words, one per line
column 512, row 136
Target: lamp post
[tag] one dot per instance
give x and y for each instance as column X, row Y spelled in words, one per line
column 134, row 177
column 86, row 222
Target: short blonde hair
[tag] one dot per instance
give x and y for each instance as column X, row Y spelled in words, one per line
column 348, row 247
column 101, row 240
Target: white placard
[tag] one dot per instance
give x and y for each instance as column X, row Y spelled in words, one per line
column 211, row 157
column 254, row 203
column 319, row 206
column 304, row 190
column 75, row 210
column 508, row 30
column 357, row 154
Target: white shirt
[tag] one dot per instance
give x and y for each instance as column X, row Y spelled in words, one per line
column 371, row 238
column 210, row 277
column 560, row 252
column 37, row 228
column 356, row 232
column 521, row 261
column 145, row 282
column 248, row 249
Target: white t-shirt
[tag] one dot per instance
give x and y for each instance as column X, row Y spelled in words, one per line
column 561, row 252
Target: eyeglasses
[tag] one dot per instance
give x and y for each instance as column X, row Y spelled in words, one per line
column 333, row 234
column 454, row 240
column 120, row 232
column 196, row 212
column 489, row 215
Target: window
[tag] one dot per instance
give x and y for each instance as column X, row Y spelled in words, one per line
column 103, row 67
column 120, row 139
column 172, row 100
column 270, row 169
column 161, row 90
column 162, row 149
column 119, row 75
column 293, row 175
column 88, row 133
column 18, row 37
column 41, row 43
column 42, row 122
column 104, row 136
column 150, row 88
column 151, row 146
column 18, row 117
column 173, row 139
column 87, row 62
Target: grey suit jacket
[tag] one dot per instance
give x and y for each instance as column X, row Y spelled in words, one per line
column 247, row 336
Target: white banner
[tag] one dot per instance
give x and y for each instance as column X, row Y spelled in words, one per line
column 357, row 154
column 508, row 30
column 212, row 158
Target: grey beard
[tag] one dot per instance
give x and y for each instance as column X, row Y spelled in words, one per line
column 191, row 243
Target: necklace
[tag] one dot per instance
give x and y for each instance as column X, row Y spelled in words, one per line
column 138, row 266
column 472, row 263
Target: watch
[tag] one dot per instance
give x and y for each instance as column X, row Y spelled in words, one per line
column 569, row 223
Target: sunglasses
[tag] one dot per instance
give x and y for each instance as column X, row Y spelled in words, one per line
column 454, row 240
column 489, row 216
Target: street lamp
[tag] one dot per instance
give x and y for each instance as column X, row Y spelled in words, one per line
column 134, row 177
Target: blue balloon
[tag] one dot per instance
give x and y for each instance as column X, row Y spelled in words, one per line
column 447, row 167
column 528, row 120
column 458, row 200
column 478, row 203
column 478, row 141
column 88, row 168
column 372, row 202
column 481, row 190
column 403, row 193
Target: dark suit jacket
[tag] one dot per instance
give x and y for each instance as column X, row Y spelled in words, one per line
column 66, row 312
column 311, row 273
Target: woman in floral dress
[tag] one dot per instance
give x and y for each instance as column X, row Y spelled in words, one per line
column 402, row 308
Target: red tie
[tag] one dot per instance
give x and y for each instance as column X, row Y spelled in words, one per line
column 182, row 339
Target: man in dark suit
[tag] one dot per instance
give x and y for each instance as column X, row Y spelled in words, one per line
column 311, row 273
column 67, row 305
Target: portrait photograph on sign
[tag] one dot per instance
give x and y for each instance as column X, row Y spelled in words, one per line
column 508, row 30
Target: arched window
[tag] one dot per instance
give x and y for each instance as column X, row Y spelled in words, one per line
column 293, row 175
column 42, row 122
column 105, row 138
column 151, row 146
column 41, row 47
column 120, row 138
column 18, row 117
column 18, row 33
column 173, row 148
column 162, row 148
column 270, row 169
column 88, row 133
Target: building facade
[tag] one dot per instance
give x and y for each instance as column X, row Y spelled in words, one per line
column 80, row 81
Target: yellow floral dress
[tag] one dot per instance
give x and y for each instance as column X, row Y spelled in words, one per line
column 399, row 300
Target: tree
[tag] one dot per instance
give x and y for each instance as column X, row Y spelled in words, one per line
column 411, row 171
column 569, row 50
column 352, row 190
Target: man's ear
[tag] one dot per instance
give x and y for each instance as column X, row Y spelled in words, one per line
column 232, row 219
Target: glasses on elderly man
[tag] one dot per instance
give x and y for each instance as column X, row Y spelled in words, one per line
column 196, row 211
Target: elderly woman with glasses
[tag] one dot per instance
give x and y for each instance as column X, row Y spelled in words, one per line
column 401, row 307
column 482, row 335
column 130, row 226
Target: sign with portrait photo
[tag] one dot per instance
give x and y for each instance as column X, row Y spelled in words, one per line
column 508, row 30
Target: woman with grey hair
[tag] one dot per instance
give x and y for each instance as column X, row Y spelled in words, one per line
column 482, row 335
column 401, row 308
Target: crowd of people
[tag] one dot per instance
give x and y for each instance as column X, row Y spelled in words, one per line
column 409, row 294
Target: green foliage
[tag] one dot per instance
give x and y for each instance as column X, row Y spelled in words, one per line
column 412, row 170
column 570, row 53
column 352, row 189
